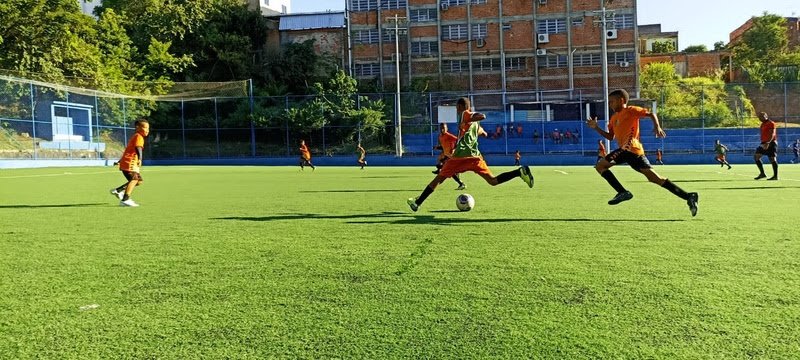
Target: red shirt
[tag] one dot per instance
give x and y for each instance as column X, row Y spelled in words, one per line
column 625, row 125
column 768, row 133
column 130, row 159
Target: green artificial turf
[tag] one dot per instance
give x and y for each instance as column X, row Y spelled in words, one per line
column 272, row 262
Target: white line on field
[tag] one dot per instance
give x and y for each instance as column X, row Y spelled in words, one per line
column 561, row 172
column 60, row 174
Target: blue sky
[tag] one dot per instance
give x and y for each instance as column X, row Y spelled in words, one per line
column 697, row 21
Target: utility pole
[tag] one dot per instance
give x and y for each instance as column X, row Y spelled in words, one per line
column 605, row 17
column 398, row 137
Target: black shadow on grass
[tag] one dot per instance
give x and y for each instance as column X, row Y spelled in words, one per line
column 398, row 218
column 358, row 191
column 24, row 206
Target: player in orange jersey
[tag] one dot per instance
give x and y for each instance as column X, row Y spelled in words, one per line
column 601, row 150
column 769, row 147
column 305, row 156
column 467, row 157
column 447, row 143
column 624, row 127
column 131, row 164
column 517, row 157
column 362, row 156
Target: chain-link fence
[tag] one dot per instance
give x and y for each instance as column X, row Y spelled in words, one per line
column 42, row 123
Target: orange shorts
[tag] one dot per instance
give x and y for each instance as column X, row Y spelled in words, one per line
column 459, row 165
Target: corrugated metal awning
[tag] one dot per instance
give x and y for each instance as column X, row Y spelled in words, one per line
column 333, row 20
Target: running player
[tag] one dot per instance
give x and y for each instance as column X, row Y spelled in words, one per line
column 517, row 157
column 466, row 157
column 447, row 143
column 624, row 127
column 131, row 164
column 362, row 156
column 769, row 147
column 721, row 150
column 305, row 156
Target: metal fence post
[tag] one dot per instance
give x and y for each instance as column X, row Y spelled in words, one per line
column 33, row 123
column 216, row 126
column 183, row 128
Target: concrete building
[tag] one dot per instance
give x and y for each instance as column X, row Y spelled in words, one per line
column 651, row 34
column 270, row 7
column 549, row 46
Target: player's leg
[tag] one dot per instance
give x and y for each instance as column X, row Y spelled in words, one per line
column 691, row 198
column 757, row 158
column 134, row 180
column 482, row 169
column 119, row 191
column 774, row 161
column 415, row 203
column 603, row 167
column 725, row 162
column 461, row 184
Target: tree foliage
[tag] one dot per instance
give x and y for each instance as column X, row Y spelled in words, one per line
column 764, row 54
column 683, row 102
column 696, row 49
column 663, row 47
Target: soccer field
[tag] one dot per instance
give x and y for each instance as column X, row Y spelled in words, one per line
column 266, row 262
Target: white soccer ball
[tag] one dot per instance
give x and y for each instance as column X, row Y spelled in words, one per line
column 465, row 202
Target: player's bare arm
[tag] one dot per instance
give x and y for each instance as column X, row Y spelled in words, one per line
column 592, row 123
column 657, row 130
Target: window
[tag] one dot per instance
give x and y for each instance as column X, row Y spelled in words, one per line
column 394, row 4
column 479, row 31
column 365, row 36
column 623, row 56
column 587, row 59
column 551, row 26
column 454, row 2
column 515, row 63
column 476, row 2
column 485, row 65
column 455, row 66
column 577, row 22
column 283, row 9
column 364, row 5
column 388, row 35
column 454, row 32
column 424, row 48
column 373, row 69
column 423, row 15
column 623, row 21
column 555, row 61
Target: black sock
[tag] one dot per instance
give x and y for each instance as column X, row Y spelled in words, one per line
column 774, row 168
column 669, row 185
column 458, row 180
column 506, row 176
column 760, row 167
column 425, row 193
column 612, row 180
column 122, row 187
column 126, row 197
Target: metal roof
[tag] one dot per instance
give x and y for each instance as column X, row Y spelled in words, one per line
column 327, row 20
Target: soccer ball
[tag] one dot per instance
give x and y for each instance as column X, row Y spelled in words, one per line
column 465, row 202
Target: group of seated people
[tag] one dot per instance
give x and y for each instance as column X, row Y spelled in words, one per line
column 516, row 131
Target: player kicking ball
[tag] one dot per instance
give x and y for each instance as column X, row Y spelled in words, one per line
column 466, row 157
column 624, row 127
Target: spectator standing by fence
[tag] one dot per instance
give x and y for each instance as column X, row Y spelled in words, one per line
column 795, row 151
column 768, row 146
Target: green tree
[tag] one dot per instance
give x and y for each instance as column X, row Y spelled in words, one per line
column 663, row 47
column 298, row 67
column 764, row 52
column 719, row 45
column 696, row 49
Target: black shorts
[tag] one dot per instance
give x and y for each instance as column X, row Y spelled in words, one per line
column 772, row 149
column 636, row 162
column 130, row 175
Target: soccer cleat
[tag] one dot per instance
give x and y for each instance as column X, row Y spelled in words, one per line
column 759, row 177
column 435, row 172
column 773, row 178
column 412, row 203
column 128, row 202
column 620, row 197
column 729, row 166
column 526, row 175
column 692, row 202
column 117, row 194
column 462, row 187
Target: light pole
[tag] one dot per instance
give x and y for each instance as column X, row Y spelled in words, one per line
column 398, row 136
column 603, row 22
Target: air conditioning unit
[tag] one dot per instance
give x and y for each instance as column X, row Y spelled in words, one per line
column 542, row 2
column 541, row 52
column 445, row 6
column 624, row 64
column 480, row 42
column 543, row 38
column 506, row 26
column 611, row 34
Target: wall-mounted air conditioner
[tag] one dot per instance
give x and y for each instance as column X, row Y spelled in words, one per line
column 611, row 34
column 542, row 2
column 543, row 38
column 624, row 64
column 541, row 52
column 480, row 42
column 445, row 6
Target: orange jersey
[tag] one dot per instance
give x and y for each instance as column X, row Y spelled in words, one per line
column 130, row 159
column 601, row 150
column 448, row 143
column 768, row 133
column 465, row 122
column 625, row 126
column 304, row 153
